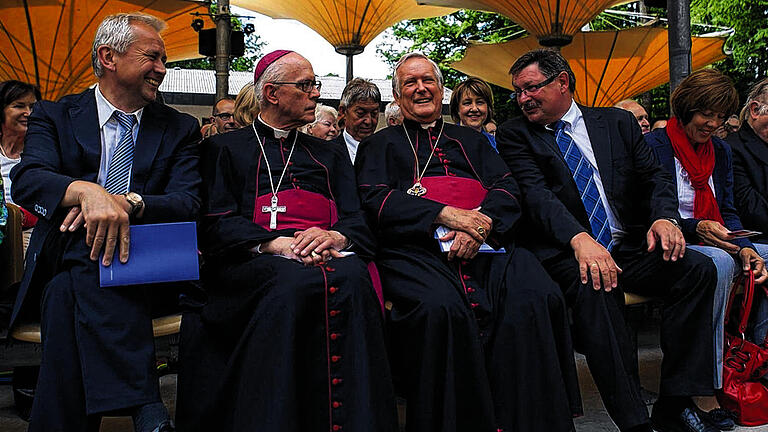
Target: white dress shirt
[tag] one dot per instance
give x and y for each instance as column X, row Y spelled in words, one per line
column 352, row 145
column 110, row 133
column 577, row 130
column 685, row 191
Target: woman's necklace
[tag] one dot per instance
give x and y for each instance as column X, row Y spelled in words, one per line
column 273, row 209
column 417, row 189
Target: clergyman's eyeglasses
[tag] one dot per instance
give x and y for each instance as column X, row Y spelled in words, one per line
column 306, row 86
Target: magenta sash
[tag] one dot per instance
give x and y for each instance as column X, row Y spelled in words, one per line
column 304, row 210
column 461, row 192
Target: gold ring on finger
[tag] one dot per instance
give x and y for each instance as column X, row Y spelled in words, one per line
column 593, row 265
column 480, row 230
column 314, row 254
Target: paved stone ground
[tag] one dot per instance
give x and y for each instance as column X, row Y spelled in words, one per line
column 594, row 420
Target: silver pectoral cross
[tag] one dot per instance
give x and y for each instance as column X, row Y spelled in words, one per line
column 273, row 209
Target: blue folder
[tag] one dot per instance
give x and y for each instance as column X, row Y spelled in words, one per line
column 159, row 253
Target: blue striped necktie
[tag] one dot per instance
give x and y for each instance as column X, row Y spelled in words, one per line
column 119, row 173
column 585, row 182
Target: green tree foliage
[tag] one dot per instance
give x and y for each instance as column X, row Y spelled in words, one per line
column 253, row 46
column 749, row 18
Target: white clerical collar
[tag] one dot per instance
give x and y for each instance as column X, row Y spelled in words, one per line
column 428, row 125
column 571, row 117
column 105, row 109
column 279, row 133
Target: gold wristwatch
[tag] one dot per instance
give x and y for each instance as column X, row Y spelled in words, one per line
column 136, row 202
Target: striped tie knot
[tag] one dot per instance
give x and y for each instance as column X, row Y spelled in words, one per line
column 126, row 121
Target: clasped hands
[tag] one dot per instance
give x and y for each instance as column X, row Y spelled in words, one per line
column 597, row 264
column 469, row 229
column 104, row 216
column 311, row 246
column 713, row 233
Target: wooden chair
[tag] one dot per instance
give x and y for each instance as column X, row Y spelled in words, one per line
column 163, row 326
column 12, row 249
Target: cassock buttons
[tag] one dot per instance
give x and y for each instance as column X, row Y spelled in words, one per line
column 329, row 269
column 336, row 381
column 335, row 359
column 336, row 427
column 474, row 305
column 334, row 312
column 336, row 404
column 332, row 290
column 334, row 336
column 465, row 277
column 470, row 290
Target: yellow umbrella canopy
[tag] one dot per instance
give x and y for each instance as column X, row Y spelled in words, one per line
column 609, row 65
column 348, row 25
column 48, row 42
column 553, row 22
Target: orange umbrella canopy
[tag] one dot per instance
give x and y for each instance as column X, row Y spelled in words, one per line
column 553, row 22
column 609, row 65
column 348, row 25
column 48, row 42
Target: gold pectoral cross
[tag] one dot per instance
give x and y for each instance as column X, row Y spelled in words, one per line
column 273, row 209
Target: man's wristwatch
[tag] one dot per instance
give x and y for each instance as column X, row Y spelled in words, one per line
column 674, row 222
column 136, row 202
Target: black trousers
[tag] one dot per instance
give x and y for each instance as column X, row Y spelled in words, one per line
column 98, row 347
column 600, row 333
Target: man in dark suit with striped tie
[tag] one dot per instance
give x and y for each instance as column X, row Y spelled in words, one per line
column 93, row 164
column 602, row 217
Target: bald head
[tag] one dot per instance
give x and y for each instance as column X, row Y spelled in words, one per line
column 287, row 92
column 638, row 111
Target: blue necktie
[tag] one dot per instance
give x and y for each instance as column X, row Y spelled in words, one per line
column 119, row 173
column 585, row 182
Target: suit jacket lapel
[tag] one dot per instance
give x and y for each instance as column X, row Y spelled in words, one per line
column 753, row 143
column 84, row 119
column 601, row 145
column 148, row 141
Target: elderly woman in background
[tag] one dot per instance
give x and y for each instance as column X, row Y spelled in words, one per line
column 325, row 125
column 472, row 106
column 246, row 106
column 16, row 101
column 701, row 164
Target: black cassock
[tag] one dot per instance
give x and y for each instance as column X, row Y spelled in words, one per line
column 279, row 346
column 482, row 345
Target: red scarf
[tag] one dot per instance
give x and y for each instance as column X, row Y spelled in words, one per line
column 699, row 164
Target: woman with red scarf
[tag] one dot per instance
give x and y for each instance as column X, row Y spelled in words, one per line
column 701, row 163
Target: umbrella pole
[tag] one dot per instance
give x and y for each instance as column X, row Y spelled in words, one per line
column 350, row 74
column 679, row 16
column 223, row 29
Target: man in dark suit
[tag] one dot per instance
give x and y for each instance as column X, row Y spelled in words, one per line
column 603, row 219
column 750, row 162
column 93, row 164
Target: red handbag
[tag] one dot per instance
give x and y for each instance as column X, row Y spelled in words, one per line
column 744, row 362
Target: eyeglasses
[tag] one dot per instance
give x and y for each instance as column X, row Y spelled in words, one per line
column 533, row 88
column 224, row 116
column 306, row 86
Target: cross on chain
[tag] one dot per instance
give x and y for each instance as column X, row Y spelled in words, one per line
column 273, row 209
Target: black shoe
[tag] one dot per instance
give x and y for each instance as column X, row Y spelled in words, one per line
column 721, row 418
column 687, row 420
column 165, row 426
